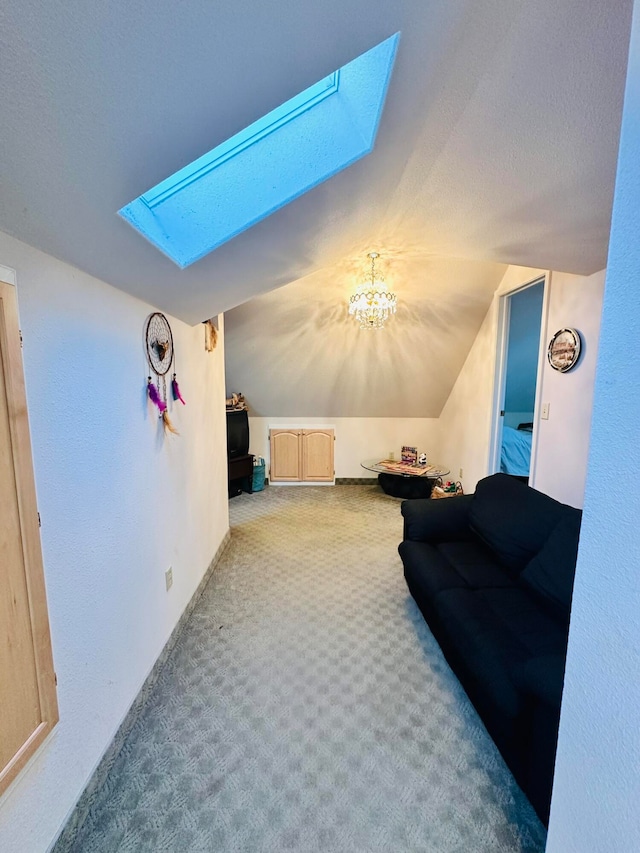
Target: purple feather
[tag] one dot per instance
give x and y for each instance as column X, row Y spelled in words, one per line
column 155, row 397
column 176, row 390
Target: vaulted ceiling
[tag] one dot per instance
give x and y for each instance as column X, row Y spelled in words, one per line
column 497, row 143
column 296, row 353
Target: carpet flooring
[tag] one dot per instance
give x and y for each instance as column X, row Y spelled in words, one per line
column 306, row 706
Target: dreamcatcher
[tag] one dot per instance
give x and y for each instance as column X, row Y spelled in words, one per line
column 160, row 355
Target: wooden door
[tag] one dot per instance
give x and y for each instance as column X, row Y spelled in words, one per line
column 285, row 455
column 317, row 455
column 27, row 679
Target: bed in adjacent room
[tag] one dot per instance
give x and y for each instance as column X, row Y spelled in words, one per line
column 515, row 454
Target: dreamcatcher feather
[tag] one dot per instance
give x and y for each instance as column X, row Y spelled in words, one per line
column 154, row 396
column 166, row 423
column 176, row 390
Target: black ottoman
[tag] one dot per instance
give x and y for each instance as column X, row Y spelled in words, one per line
column 406, row 487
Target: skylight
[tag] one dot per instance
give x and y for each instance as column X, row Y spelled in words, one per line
column 284, row 154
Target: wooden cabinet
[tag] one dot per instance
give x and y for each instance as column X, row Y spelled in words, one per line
column 317, row 455
column 27, row 679
column 301, row 455
column 286, row 451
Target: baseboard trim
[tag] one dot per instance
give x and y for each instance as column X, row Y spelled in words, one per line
column 78, row 815
column 344, row 481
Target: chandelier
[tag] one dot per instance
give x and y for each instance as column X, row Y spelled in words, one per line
column 372, row 304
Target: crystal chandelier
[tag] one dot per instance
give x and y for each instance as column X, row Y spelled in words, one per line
column 372, row 304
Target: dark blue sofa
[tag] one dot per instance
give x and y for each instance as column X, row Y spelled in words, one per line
column 493, row 575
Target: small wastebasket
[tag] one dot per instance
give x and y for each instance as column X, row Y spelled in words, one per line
column 258, row 474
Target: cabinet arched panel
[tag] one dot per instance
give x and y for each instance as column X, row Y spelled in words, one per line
column 317, row 455
column 285, row 455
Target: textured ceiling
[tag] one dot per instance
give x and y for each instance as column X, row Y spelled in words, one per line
column 498, row 141
column 296, row 352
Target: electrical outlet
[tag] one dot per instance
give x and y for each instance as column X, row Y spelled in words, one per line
column 460, row 473
column 168, row 578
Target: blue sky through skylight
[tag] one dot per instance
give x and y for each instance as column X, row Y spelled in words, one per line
column 284, row 154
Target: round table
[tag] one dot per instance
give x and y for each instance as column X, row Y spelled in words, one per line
column 404, row 482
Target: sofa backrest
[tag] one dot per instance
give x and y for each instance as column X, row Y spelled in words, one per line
column 513, row 519
column 551, row 572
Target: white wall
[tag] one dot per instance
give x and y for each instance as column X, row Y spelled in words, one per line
column 563, row 440
column 119, row 503
column 356, row 438
column 466, row 419
column 597, row 781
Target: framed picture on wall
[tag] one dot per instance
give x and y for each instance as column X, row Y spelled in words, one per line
column 564, row 350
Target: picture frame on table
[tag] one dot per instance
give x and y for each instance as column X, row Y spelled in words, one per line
column 409, row 455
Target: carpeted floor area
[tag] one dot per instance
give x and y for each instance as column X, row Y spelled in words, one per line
column 307, row 708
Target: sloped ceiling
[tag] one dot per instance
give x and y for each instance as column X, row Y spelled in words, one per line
column 498, row 141
column 295, row 352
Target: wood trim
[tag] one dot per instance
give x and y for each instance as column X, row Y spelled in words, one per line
column 29, row 525
column 28, row 748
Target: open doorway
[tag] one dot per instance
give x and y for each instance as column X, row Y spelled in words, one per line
column 518, row 367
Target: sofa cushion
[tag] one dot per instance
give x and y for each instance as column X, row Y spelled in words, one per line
column 426, row 570
column 513, row 519
column 492, row 632
column 551, row 572
column 429, row 569
column 475, row 564
column 437, row 521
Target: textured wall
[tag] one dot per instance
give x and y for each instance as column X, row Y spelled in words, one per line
column 465, row 423
column 563, row 440
column 119, row 504
column 597, row 782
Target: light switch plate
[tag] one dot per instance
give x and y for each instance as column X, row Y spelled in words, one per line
column 545, row 411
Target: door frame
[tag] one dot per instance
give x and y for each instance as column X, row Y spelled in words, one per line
column 500, row 379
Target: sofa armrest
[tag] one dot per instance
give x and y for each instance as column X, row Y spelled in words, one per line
column 542, row 678
column 437, row 521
